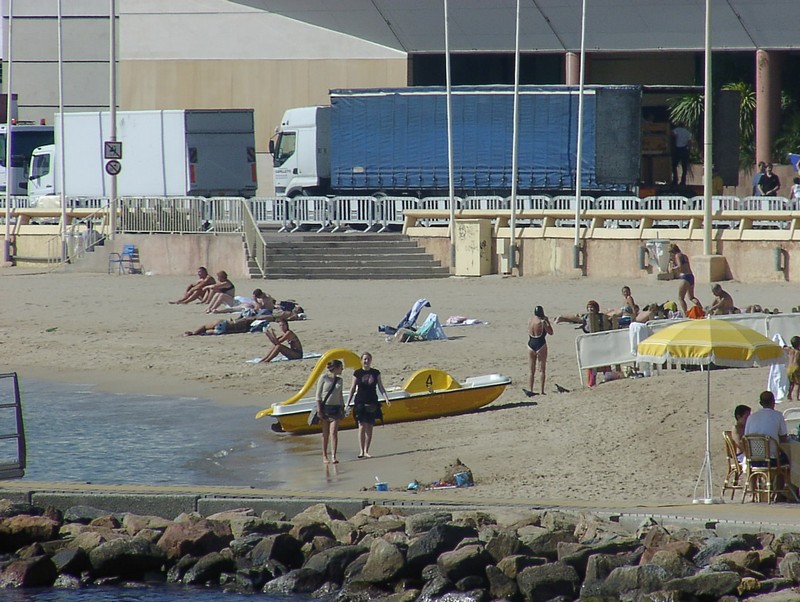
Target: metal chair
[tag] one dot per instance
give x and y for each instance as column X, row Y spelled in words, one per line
column 126, row 262
column 733, row 480
column 762, row 472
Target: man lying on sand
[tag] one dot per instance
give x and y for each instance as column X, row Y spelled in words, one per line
column 244, row 324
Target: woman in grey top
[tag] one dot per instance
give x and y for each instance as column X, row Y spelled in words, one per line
column 330, row 408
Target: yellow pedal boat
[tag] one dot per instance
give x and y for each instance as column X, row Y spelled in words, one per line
column 427, row 393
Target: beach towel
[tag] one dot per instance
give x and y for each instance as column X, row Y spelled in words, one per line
column 280, row 358
column 777, row 381
column 463, row 321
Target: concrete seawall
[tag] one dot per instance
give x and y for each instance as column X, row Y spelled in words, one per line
column 170, row 501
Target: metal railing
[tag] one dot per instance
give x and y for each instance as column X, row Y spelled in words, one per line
column 254, row 240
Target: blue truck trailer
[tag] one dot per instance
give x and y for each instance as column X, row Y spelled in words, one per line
column 394, row 141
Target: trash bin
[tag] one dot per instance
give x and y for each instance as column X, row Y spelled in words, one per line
column 473, row 247
column 658, row 251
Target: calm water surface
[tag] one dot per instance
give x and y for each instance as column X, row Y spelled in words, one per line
column 77, row 434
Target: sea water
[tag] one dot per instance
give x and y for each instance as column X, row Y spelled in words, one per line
column 78, row 434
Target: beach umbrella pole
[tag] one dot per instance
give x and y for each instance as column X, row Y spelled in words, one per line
column 705, row 476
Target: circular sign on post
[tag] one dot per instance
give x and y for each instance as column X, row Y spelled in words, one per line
column 113, row 167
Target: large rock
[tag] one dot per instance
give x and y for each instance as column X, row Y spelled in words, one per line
column 209, row 568
column 305, row 532
column 83, row 514
column 501, row 586
column 22, row 530
column 600, row 566
column 673, row 563
column 425, row 521
column 789, row 567
column 9, row 509
column 502, row 544
column 514, row 565
column 465, row 561
column 547, row 582
column 579, row 557
column 385, row 561
column 631, row 581
column 539, row 541
column 133, row 523
column 195, row 537
column 714, row 546
column 129, row 557
column 427, row 547
column 72, row 561
column 282, row 547
column 298, row 581
column 29, row 572
column 318, row 513
column 332, row 562
column 706, row 585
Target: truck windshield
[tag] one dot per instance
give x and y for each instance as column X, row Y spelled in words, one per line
column 285, row 148
column 23, row 143
column 40, row 166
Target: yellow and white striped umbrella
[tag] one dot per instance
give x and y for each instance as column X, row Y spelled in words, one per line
column 703, row 342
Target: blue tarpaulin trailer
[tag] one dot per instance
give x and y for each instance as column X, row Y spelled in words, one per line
column 395, row 140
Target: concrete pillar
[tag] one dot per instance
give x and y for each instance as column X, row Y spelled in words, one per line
column 768, row 102
column 572, row 68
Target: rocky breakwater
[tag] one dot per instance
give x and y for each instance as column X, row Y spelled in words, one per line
column 379, row 553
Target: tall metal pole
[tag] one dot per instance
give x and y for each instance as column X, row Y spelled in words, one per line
column 708, row 151
column 451, row 187
column 576, row 257
column 514, row 149
column 9, row 127
column 62, row 170
column 112, row 109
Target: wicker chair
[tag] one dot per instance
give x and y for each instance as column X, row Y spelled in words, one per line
column 733, row 480
column 762, row 472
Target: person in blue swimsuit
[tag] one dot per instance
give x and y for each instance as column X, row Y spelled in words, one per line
column 679, row 264
column 538, row 328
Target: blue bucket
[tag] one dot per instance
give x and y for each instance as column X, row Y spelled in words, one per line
column 381, row 486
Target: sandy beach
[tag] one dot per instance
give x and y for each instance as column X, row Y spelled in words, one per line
column 633, row 441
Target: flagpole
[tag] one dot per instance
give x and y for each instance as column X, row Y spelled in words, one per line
column 576, row 257
column 61, row 175
column 451, row 186
column 512, row 263
column 9, row 127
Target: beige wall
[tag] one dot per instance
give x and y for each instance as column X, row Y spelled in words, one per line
column 268, row 86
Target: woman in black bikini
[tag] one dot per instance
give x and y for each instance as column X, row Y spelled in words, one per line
column 538, row 328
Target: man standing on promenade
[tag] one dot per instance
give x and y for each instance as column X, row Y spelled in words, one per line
column 681, row 143
column 195, row 289
column 770, row 183
column 770, row 422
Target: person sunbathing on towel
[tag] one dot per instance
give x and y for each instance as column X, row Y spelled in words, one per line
column 238, row 325
column 287, row 344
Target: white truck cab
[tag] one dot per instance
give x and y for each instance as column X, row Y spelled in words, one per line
column 300, row 157
column 42, row 178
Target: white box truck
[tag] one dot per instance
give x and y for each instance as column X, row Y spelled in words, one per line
column 182, row 152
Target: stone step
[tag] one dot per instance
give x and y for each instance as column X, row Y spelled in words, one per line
column 346, row 251
column 372, row 246
column 359, row 273
column 378, row 262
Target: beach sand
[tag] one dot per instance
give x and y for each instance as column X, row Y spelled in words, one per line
column 633, row 441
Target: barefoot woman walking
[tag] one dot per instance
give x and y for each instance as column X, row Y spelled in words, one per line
column 366, row 384
column 538, row 328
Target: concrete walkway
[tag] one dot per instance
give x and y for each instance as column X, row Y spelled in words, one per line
column 169, row 501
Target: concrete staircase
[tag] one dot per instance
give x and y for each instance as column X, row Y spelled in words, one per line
column 347, row 256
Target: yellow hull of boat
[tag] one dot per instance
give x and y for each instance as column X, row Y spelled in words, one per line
column 406, row 409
